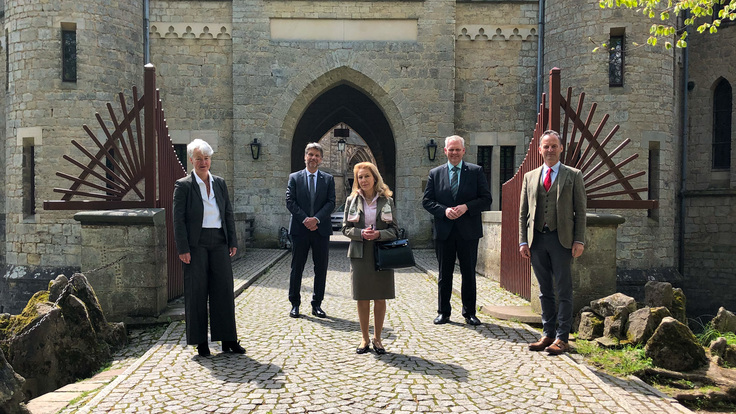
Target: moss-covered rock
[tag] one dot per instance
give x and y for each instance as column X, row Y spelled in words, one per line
column 643, row 322
column 673, row 346
column 679, row 302
column 591, row 326
column 53, row 344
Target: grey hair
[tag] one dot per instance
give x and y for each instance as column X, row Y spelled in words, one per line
column 314, row 145
column 455, row 138
column 201, row 145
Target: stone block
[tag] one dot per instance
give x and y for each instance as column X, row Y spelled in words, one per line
column 611, row 305
column 673, row 346
column 643, row 322
column 725, row 321
column 591, row 326
column 134, row 282
column 658, row 294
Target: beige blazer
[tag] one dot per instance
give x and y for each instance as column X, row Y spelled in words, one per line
column 571, row 201
column 389, row 231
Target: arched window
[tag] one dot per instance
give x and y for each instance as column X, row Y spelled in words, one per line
column 722, row 109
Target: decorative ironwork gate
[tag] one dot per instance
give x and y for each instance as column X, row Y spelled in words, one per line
column 584, row 153
column 126, row 160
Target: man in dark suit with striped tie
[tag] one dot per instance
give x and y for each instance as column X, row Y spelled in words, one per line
column 310, row 197
column 456, row 195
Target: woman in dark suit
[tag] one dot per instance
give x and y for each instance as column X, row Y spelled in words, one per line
column 370, row 215
column 204, row 229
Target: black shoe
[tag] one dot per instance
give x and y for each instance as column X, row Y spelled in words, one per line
column 472, row 320
column 294, row 313
column 318, row 312
column 379, row 349
column 203, row 350
column 440, row 319
column 363, row 350
column 232, row 346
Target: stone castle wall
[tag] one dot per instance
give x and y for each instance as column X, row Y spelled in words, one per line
column 229, row 73
column 496, row 71
column 191, row 47
column 44, row 112
column 47, row 113
column 643, row 108
column 710, row 196
column 276, row 80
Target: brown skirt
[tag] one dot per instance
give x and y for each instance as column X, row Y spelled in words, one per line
column 369, row 284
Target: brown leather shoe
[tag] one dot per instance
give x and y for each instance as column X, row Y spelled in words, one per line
column 541, row 344
column 557, row 348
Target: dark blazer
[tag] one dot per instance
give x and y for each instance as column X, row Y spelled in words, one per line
column 472, row 191
column 189, row 209
column 388, row 231
column 571, row 200
column 297, row 202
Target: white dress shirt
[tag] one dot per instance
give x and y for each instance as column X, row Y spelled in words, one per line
column 211, row 216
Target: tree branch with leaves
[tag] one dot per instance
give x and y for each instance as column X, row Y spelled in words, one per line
column 661, row 10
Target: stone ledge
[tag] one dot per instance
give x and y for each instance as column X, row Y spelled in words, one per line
column 143, row 216
column 512, row 313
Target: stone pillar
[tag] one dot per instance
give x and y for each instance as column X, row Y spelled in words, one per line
column 243, row 231
column 124, row 259
column 489, row 248
column 593, row 273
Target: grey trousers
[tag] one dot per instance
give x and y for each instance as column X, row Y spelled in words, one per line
column 551, row 263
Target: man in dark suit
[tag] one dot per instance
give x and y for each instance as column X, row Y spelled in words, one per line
column 310, row 197
column 552, row 233
column 204, row 231
column 456, row 194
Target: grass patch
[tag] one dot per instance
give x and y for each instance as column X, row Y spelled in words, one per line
column 710, row 334
column 80, row 397
column 629, row 360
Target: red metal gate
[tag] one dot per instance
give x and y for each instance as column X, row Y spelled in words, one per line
column 586, row 154
column 132, row 154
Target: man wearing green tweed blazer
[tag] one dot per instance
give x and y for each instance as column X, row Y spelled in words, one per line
column 551, row 234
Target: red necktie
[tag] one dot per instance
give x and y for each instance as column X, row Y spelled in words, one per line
column 548, row 180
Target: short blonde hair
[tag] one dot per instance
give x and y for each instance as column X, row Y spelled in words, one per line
column 379, row 186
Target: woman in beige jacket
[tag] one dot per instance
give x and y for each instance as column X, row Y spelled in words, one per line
column 370, row 216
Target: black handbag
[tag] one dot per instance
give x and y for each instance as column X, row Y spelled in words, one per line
column 395, row 254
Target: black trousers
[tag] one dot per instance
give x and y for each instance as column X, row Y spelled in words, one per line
column 300, row 245
column 209, row 276
column 466, row 251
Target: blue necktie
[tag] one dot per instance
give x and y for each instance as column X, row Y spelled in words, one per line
column 455, row 181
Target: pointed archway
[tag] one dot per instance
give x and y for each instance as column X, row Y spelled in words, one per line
column 345, row 103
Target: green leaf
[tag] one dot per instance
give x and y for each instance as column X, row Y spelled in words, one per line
column 667, row 45
column 664, row 16
column 681, row 44
column 595, row 49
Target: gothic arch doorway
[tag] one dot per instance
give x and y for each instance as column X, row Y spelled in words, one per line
column 347, row 105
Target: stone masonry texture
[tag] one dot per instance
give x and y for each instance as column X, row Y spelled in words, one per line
column 471, row 70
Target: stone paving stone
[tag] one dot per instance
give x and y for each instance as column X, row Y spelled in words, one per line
column 309, row 364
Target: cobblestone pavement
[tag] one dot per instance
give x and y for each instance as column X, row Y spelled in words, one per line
column 309, row 364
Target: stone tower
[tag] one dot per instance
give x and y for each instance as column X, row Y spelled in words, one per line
column 64, row 62
column 643, row 102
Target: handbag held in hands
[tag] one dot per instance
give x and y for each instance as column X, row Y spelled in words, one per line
column 395, row 254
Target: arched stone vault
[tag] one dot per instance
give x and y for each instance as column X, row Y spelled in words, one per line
column 339, row 77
